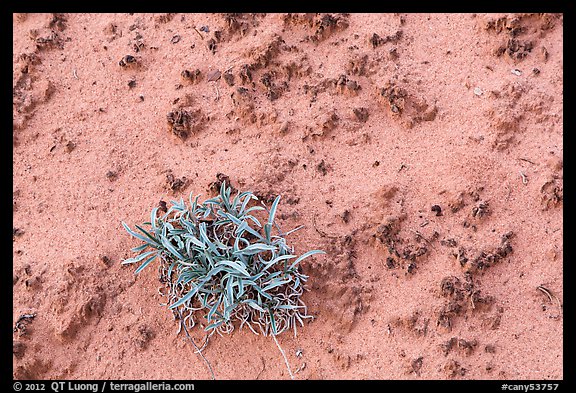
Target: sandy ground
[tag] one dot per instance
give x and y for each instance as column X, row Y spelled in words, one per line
column 422, row 152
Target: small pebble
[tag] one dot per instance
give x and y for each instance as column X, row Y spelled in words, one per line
column 213, row 76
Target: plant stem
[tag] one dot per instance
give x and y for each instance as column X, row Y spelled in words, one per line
column 195, row 346
column 284, row 355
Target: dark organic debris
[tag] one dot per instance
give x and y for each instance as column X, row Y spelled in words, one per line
column 217, row 184
column 413, row 107
column 176, row 184
column 18, row 349
column 229, row 78
column 461, row 296
column 106, row 260
column 391, row 263
column 552, row 193
column 138, row 43
column 347, row 85
column 454, row 369
column 459, row 344
column 416, row 365
column 436, row 209
column 111, row 175
column 323, row 168
column 449, row 242
column 395, row 96
column 70, row 146
column 127, row 60
column 376, row 40
column 16, row 232
column 520, row 37
column 327, row 24
column 23, row 321
column 346, row 216
column 486, row 259
column 212, row 45
column 515, row 48
column 49, row 41
column 481, row 209
column 245, row 73
column 490, row 348
column 58, row 21
column 183, row 121
column 164, row 18
column 408, row 251
column 192, row 76
column 145, row 334
column 361, row 114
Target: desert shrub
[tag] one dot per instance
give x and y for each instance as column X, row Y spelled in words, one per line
column 218, row 262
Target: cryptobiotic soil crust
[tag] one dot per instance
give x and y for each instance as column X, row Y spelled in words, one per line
column 422, row 152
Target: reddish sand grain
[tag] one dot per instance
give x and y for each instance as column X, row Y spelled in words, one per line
column 361, row 134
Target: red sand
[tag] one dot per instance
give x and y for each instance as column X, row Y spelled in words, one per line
column 361, row 134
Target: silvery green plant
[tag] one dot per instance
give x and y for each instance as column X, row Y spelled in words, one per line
column 220, row 263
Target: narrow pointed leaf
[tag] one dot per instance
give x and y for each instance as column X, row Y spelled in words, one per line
column 166, row 243
column 273, row 210
column 306, row 255
column 138, row 258
column 146, row 263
